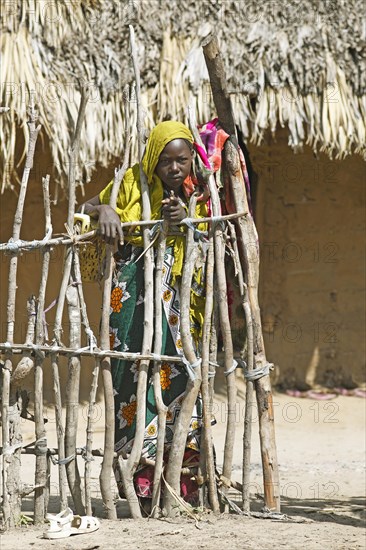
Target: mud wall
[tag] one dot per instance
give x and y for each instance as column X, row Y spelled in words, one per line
column 310, row 214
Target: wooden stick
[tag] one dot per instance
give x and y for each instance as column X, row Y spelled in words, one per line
column 219, row 246
column 14, row 471
column 57, row 331
column 56, row 381
column 72, row 397
column 182, row 425
column 107, row 464
column 249, row 401
column 220, row 94
column 207, row 408
column 60, row 431
column 85, row 352
column 161, row 407
column 89, row 438
column 206, row 388
column 129, row 467
column 94, row 386
column 106, row 470
column 47, row 489
column 226, row 334
column 41, row 443
column 74, row 153
column 247, row 236
column 79, row 239
column 72, row 298
column 12, row 516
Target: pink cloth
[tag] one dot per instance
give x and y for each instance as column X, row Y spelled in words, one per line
column 214, row 139
column 144, row 479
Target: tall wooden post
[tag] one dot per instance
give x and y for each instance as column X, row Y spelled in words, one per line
column 247, row 235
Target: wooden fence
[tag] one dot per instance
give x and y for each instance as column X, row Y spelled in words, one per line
column 234, row 232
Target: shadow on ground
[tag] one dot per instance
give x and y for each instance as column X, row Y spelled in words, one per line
column 350, row 511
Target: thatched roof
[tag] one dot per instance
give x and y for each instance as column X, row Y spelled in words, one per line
column 300, row 64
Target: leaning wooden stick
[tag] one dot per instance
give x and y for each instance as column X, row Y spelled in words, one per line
column 161, row 407
column 56, row 377
column 107, row 464
column 207, row 408
column 72, row 396
column 16, row 407
column 193, row 384
column 249, row 256
column 74, row 153
column 128, row 467
column 72, row 298
column 219, row 247
column 62, row 479
column 12, row 516
column 249, row 401
column 57, row 331
column 93, row 392
column 41, row 442
column 105, row 474
column 207, row 329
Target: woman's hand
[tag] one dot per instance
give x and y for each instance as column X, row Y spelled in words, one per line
column 172, row 209
column 109, row 224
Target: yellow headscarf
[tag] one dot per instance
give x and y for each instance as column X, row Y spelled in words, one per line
column 129, row 206
column 160, row 136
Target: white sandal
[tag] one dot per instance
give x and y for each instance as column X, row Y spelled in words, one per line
column 65, row 524
column 84, row 524
column 60, row 525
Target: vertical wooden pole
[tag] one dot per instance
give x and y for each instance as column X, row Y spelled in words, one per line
column 91, row 340
column 89, row 438
column 62, row 479
column 56, row 378
column 12, row 516
column 41, row 441
column 72, row 397
column 128, row 467
column 72, row 297
column 193, row 386
column 247, row 235
column 249, row 401
column 249, row 255
column 107, row 464
column 207, row 405
column 223, row 310
column 17, row 403
column 161, row 407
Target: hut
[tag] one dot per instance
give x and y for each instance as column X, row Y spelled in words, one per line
column 297, row 79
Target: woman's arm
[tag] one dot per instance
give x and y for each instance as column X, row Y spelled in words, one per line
column 109, row 223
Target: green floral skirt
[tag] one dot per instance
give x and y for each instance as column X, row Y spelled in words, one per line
column 126, row 333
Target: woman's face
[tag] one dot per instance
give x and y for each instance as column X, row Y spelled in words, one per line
column 174, row 164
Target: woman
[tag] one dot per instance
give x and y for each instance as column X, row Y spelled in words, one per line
column 168, row 165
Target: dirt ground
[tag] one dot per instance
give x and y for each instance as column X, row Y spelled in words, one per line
column 321, row 451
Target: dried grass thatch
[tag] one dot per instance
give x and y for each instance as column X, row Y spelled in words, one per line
column 297, row 64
